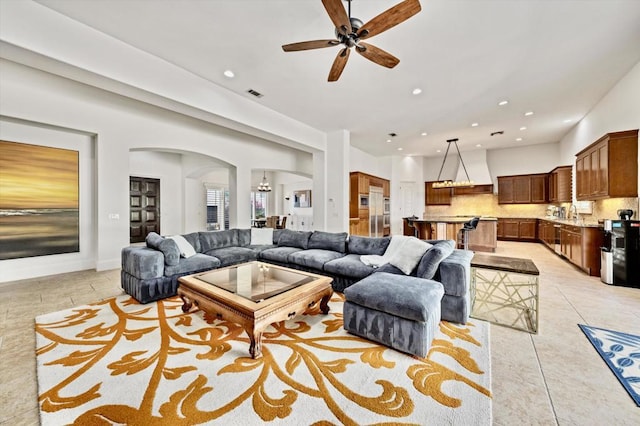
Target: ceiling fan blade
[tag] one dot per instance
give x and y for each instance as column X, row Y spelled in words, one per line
column 338, row 64
column 390, row 18
column 338, row 15
column 307, row 45
column 377, row 55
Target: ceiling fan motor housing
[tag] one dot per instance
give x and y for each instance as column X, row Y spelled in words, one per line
column 350, row 39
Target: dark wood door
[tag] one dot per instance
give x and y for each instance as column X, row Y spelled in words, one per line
column 144, row 208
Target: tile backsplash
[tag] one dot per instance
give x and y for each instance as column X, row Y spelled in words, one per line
column 487, row 205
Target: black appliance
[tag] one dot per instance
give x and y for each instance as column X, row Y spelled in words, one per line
column 625, row 214
column 625, row 252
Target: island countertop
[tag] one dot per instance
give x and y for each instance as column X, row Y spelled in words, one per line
column 454, row 219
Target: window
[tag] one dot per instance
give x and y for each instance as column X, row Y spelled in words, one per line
column 217, row 208
column 258, row 205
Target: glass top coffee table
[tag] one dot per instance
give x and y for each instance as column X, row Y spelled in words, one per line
column 255, row 295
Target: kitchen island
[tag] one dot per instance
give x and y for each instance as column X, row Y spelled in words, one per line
column 483, row 238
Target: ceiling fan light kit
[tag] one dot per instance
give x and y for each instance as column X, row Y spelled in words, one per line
column 351, row 31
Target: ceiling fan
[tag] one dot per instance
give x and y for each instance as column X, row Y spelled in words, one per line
column 351, row 31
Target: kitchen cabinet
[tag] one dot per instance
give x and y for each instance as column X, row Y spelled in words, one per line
column 560, row 185
column 523, row 189
column 361, row 183
column 436, row 196
column 608, row 167
column 580, row 245
column 516, row 229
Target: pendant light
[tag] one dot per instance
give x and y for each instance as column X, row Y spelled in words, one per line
column 264, row 185
column 451, row 183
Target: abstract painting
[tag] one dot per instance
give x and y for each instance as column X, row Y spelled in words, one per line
column 39, row 208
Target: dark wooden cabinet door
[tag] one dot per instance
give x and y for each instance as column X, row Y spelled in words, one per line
column 603, row 169
column 511, row 228
column 539, row 188
column 563, row 184
column 505, row 190
column 522, row 189
column 580, row 179
column 527, row 230
column 436, row 196
column 594, row 173
column 144, row 208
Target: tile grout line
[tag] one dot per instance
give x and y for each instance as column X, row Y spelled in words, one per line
column 544, row 379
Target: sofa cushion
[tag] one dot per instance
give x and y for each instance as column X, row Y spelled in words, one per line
column 194, row 239
column 142, row 262
column 455, row 273
column 313, row 258
column 276, row 235
column 167, row 246
column 349, row 266
column 196, row 263
column 408, row 254
column 289, row 238
column 402, row 296
column 278, row 254
column 261, row 236
column 367, row 245
column 233, row 255
column 334, row 241
column 431, row 260
column 218, row 239
column 244, row 237
column 185, row 247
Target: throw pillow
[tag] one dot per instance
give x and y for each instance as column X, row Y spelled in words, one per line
column 431, row 260
column 289, row 238
column 409, row 254
column 261, row 236
column 167, row 246
column 185, row 248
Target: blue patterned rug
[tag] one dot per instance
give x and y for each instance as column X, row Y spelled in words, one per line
column 621, row 352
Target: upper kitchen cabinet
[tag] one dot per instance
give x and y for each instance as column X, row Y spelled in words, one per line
column 436, row 196
column 608, row 167
column 523, row 189
column 560, row 184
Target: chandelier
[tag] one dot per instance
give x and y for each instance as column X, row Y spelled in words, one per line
column 264, row 185
column 451, row 183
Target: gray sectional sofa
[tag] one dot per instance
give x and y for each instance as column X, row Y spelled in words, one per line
column 151, row 273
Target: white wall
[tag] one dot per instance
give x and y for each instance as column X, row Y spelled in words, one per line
column 618, row 110
column 360, row 161
column 541, row 158
column 122, row 125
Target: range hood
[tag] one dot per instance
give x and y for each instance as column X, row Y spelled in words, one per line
column 477, row 167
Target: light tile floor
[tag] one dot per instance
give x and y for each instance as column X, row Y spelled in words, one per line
column 554, row 377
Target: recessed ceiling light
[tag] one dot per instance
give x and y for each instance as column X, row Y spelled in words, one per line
column 502, row 103
column 474, row 124
column 388, row 140
column 528, row 113
column 523, row 128
column 568, row 120
column 229, row 74
column 399, row 149
column 423, row 133
column 438, row 150
column 417, row 91
column 478, row 145
column 518, row 139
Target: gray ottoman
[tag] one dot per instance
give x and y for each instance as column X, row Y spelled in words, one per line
column 399, row 311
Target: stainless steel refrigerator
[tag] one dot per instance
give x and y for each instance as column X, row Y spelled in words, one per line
column 376, row 212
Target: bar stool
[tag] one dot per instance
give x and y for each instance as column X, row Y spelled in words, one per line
column 464, row 232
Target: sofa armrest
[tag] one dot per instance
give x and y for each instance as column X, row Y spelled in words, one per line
column 454, row 272
column 142, row 262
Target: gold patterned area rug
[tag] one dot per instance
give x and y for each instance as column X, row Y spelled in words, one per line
column 120, row 362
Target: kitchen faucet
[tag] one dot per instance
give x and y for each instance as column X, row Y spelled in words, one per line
column 575, row 215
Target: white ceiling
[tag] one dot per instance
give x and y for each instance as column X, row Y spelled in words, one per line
column 556, row 58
